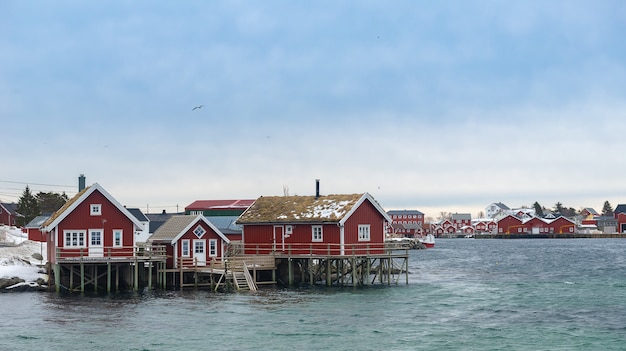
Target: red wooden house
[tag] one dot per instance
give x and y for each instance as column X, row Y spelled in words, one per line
column 33, row 229
column 536, row 225
column 190, row 240
column 315, row 225
column 8, row 214
column 92, row 224
column 562, row 225
column 510, row 225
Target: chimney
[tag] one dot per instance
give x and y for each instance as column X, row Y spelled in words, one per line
column 81, row 183
column 317, row 188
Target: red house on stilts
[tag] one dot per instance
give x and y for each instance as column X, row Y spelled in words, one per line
column 352, row 224
column 91, row 224
column 190, row 241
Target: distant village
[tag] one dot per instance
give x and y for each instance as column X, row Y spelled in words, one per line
column 501, row 219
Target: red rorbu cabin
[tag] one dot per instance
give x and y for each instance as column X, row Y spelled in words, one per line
column 315, row 225
column 190, row 240
column 91, row 225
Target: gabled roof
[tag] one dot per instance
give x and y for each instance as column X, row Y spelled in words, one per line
column 72, row 203
column 461, row 216
column 226, row 224
column 10, row 207
column 37, row 222
column 404, row 212
column 306, row 209
column 620, row 208
column 178, row 225
column 591, row 211
column 500, row 205
column 219, row 204
column 138, row 214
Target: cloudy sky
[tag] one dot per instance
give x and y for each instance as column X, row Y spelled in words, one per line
column 428, row 105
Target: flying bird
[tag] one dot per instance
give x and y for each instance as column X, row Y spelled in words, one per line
column 197, row 107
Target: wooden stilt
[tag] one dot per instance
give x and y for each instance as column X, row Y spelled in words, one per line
column 108, row 277
column 82, row 277
column 136, row 276
column 71, row 287
column 57, row 277
column 150, row 264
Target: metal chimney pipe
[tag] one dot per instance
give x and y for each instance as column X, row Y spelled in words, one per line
column 81, row 183
column 317, row 188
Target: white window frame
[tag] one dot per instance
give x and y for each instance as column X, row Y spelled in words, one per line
column 195, row 247
column 121, row 242
column 317, row 234
column 364, row 232
column 100, row 237
column 95, row 209
column 74, row 239
column 199, row 229
column 184, row 246
column 212, row 247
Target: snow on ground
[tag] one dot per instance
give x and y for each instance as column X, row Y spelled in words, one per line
column 16, row 252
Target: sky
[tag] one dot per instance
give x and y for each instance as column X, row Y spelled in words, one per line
column 439, row 106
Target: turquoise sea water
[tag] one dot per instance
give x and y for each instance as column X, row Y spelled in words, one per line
column 463, row 295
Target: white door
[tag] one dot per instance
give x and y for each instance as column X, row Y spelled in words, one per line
column 96, row 238
column 199, row 252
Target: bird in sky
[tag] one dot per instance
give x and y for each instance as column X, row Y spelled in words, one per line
column 197, row 107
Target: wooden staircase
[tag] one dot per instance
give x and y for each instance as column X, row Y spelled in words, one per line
column 242, row 280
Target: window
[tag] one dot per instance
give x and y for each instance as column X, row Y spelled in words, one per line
column 95, row 237
column 196, row 213
column 117, row 237
column 317, row 233
column 288, row 229
column 364, row 232
column 95, row 209
column 198, row 247
column 213, row 247
column 184, row 247
column 74, row 238
column 199, row 231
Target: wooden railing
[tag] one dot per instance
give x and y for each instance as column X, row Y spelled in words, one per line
column 314, row 249
column 140, row 252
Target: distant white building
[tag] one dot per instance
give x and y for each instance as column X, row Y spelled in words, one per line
column 496, row 208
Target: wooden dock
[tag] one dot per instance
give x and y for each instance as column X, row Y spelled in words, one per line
column 147, row 267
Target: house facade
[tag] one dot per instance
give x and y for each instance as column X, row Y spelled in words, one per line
column 8, row 214
column 407, row 223
column 190, row 241
column 92, row 224
column 352, row 224
column 461, row 220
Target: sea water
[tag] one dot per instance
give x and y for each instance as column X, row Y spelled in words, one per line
column 465, row 294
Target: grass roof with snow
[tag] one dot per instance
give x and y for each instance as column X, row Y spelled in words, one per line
column 294, row 209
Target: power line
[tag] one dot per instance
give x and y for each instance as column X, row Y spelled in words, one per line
column 40, row 184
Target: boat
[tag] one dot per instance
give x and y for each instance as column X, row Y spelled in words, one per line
column 428, row 240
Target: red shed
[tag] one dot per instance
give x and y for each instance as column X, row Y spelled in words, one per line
column 91, row 224
column 8, row 214
column 33, row 229
column 315, row 225
column 192, row 240
column 562, row 225
column 510, row 225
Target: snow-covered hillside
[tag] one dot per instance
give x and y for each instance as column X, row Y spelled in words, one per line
column 16, row 255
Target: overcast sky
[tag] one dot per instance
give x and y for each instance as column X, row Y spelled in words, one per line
column 428, row 105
